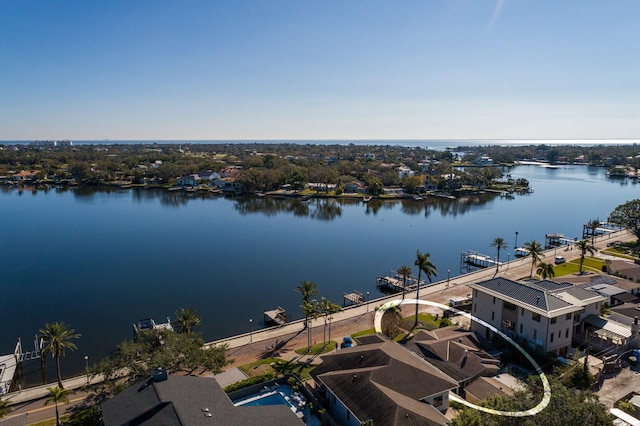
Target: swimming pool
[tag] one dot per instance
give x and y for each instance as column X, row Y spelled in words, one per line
column 281, row 395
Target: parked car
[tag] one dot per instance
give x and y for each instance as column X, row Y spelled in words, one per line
column 560, row 259
column 347, row 342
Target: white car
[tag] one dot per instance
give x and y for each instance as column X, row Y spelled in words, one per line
column 560, row 259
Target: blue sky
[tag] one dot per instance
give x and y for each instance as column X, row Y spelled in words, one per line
column 302, row 69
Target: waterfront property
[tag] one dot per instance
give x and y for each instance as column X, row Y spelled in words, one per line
column 545, row 315
column 381, row 382
column 187, row 400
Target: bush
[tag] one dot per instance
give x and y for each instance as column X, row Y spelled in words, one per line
column 250, row 382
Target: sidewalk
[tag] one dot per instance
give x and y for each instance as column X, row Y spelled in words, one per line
column 37, row 392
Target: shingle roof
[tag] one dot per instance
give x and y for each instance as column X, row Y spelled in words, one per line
column 180, row 400
column 382, row 382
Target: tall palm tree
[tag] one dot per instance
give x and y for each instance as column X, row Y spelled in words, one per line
column 57, row 338
column 328, row 308
column 310, row 310
column 535, row 251
column 405, row 271
column 57, row 395
column 187, row 320
column 424, row 265
column 584, row 246
column 593, row 225
column 306, row 289
column 545, row 270
column 499, row 243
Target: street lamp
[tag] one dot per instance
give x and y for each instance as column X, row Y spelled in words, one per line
column 86, row 366
column 516, row 246
column 251, row 329
column 367, row 301
column 448, row 274
column 508, row 257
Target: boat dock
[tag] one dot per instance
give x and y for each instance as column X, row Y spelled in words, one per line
column 354, row 298
column 557, row 240
column 277, row 316
column 395, row 284
column 473, row 258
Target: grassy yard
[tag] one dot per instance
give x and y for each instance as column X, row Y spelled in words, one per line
column 592, row 264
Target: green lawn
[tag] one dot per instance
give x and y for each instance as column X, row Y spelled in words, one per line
column 277, row 366
column 592, row 264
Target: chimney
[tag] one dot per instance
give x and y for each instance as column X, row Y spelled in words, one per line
column 160, row 374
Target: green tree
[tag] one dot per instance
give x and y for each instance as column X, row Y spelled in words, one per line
column 499, row 243
column 593, row 225
column 307, row 289
column 177, row 352
column 424, row 265
column 535, row 251
column 584, row 246
column 568, row 406
column 310, row 311
column 187, row 320
column 405, row 271
column 328, row 308
column 627, row 215
column 57, row 338
column 57, row 395
column 545, row 270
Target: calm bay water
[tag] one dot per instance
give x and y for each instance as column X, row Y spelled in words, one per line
column 103, row 260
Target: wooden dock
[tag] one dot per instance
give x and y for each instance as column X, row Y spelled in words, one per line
column 395, row 284
column 354, row 298
column 557, row 240
column 277, row 316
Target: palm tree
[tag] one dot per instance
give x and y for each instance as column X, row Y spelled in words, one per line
column 405, row 271
column 499, row 243
column 306, row 289
column 57, row 395
column 593, row 225
column 584, row 246
column 535, row 251
column 57, row 338
column 327, row 308
column 310, row 310
column 424, row 265
column 187, row 320
column 545, row 270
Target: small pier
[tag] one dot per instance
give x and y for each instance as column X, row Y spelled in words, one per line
column 355, row 298
column 602, row 229
column 521, row 252
column 395, row 283
column 277, row 316
column 557, row 240
column 150, row 324
column 473, row 258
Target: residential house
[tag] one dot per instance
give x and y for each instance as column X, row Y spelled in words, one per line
column 208, row 175
column 404, row 171
column 354, row 187
column 484, row 387
column 483, row 160
column 381, row 382
column 25, row 175
column 545, row 315
column 191, row 180
column 455, row 352
column 187, row 400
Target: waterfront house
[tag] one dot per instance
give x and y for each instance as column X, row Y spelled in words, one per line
column 381, row 382
column 25, row 176
column 455, row 352
column 354, row 187
column 208, row 175
column 483, row 160
column 545, row 315
column 191, row 180
column 187, row 400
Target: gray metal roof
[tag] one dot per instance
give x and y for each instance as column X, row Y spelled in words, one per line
column 531, row 297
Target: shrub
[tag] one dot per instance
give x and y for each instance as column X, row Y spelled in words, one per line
column 250, row 382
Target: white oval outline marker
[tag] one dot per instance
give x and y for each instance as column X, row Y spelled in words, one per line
column 546, row 398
